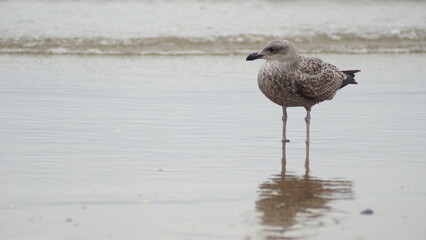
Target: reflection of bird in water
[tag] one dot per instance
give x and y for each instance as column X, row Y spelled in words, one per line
column 291, row 80
column 286, row 200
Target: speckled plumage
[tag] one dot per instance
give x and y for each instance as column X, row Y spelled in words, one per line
column 291, row 80
column 306, row 83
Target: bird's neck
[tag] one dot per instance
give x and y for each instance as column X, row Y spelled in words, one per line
column 289, row 64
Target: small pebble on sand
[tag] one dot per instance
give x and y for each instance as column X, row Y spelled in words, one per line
column 367, row 212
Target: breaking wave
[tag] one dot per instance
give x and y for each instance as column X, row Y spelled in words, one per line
column 396, row 41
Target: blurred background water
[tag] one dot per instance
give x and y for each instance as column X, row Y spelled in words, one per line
column 141, row 119
column 210, row 27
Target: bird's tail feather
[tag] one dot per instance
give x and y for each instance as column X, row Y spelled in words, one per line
column 350, row 79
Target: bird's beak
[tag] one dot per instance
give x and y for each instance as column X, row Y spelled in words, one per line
column 253, row 56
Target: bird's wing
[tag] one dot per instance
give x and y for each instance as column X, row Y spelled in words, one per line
column 318, row 80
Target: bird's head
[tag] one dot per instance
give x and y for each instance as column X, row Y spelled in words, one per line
column 279, row 50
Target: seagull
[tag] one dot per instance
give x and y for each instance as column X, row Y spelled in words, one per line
column 292, row 80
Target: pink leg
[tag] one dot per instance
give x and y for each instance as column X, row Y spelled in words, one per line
column 284, row 125
column 308, row 122
column 307, row 157
column 283, row 159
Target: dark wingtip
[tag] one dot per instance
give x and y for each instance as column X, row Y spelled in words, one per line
column 350, row 77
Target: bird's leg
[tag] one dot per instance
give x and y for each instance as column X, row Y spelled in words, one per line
column 284, row 125
column 308, row 122
column 307, row 158
column 283, row 159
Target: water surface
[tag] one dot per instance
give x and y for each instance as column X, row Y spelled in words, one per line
column 187, row 147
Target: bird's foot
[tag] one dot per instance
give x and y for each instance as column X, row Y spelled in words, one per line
column 285, row 140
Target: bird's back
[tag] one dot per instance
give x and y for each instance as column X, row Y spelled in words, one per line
column 318, row 80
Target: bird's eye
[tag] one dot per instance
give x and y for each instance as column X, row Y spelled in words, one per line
column 271, row 49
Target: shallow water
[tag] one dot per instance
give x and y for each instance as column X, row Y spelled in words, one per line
column 187, row 147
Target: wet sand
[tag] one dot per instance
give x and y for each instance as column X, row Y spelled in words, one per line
column 187, row 147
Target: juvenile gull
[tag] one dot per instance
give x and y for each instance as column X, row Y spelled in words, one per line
column 291, row 80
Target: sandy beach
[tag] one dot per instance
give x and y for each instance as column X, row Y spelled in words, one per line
column 139, row 119
column 140, row 151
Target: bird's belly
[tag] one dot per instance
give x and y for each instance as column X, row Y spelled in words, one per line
column 283, row 94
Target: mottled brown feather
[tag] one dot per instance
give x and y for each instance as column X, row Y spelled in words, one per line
column 318, row 80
